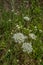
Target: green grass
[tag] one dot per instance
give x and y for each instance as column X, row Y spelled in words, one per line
column 10, row 52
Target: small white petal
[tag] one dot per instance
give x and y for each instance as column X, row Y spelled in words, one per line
column 35, row 27
column 9, row 50
column 30, row 30
column 9, row 20
column 12, row 10
column 26, row 18
column 40, row 31
column 18, row 26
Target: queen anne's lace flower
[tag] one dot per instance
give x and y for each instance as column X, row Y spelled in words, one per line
column 19, row 37
column 26, row 18
column 33, row 36
column 27, row 47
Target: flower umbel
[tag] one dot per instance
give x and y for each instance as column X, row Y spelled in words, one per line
column 27, row 47
column 33, row 36
column 19, row 37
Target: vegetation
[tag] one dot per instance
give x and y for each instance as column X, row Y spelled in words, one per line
column 24, row 17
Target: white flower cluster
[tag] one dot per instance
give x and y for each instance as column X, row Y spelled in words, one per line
column 33, row 36
column 26, row 18
column 27, row 47
column 19, row 37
